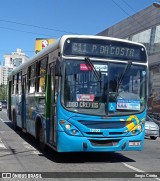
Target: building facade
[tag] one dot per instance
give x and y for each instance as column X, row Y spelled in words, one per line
column 144, row 27
column 15, row 59
column 11, row 61
column 4, row 72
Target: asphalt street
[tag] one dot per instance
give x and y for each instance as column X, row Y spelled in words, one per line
column 19, row 152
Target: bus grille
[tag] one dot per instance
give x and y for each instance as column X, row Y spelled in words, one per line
column 104, row 142
column 104, row 124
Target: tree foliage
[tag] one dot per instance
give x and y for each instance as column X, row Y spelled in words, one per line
column 3, row 92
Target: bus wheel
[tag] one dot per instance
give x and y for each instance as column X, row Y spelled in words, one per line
column 41, row 138
column 15, row 127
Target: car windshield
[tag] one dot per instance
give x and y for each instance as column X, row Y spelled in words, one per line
column 149, row 119
column 4, row 102
column 103, row 88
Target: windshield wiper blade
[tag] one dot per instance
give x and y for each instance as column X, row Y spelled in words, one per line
column 93, row 68
column 123, row 75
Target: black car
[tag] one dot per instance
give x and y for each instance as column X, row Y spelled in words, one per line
column 4, row 104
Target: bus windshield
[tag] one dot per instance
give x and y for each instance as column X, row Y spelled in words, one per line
column 118, row 88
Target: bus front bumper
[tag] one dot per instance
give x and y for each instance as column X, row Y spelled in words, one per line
column 67, row 143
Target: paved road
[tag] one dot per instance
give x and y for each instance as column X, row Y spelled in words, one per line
column 19, row 152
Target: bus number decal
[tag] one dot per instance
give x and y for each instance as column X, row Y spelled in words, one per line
column 90, row 105
column 72, row 104
column 95, row 130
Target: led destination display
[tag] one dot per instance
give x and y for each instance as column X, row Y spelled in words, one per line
column 104, row 49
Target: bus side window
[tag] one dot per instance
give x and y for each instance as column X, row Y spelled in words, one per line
column 20, row 83
column 31, row 78
column 41, row 75
column 56, row 89
column 17, row 83
column 14, row 84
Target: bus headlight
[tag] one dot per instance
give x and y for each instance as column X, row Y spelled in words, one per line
column 133, row 132
column 139, row 127
column 69, row 128
column 74, row 132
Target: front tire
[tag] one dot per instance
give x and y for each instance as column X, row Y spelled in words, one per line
column 15, row 127
column 41, row 138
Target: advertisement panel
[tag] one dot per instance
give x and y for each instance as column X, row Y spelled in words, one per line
column 41, row 43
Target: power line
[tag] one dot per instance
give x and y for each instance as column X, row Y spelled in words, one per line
column 15, row 50
column 129, row 6
column 136, row 11
column 35, row 26
column 130, row 15
column 27, row 31
column 121, row 8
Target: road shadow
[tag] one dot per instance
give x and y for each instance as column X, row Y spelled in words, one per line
column 73, row 157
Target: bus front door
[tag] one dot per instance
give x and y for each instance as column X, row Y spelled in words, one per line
column 9, row 111
column 53, row 103
column 23, row 115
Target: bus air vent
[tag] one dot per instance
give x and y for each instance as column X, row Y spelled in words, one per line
column 104, row 124
column 114, row 133
column 94, row 133
column 104, row 142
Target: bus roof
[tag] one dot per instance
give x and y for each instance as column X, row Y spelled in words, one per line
column 57, row 44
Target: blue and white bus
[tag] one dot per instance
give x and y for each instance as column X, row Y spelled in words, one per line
column 82, row 94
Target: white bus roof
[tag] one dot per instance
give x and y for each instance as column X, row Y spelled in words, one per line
column 57, row 44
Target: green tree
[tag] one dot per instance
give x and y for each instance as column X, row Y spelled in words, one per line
column 3, row 92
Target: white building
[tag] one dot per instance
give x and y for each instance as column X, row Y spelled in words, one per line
column 11, row 61
column 4, row 72
column 15, row 59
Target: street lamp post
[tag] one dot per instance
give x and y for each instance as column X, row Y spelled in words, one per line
column 157, row 4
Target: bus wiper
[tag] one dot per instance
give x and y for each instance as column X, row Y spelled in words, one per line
column 96, row 73
column 123, row 75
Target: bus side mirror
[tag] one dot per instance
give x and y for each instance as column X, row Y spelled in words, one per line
column 58, row 68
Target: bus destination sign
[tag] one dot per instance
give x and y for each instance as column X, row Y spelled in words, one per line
column 104, row 49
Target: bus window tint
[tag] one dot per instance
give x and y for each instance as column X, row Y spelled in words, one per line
column 31, row 78
column 42, row 75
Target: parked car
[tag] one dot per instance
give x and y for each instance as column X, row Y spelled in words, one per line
column 0, row 106
column 151, row 128
column 156, row 119
column 4, row 104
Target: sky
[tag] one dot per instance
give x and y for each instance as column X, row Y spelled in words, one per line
column 22, row 21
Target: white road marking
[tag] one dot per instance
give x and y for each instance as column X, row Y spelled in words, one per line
column 4, row 121
column 31, row 148
column 2, row 146
column 133, row 168
column 26, row 145
column 1, row 120
column 137, row 170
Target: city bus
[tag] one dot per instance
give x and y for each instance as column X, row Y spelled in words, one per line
column 82, row 94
